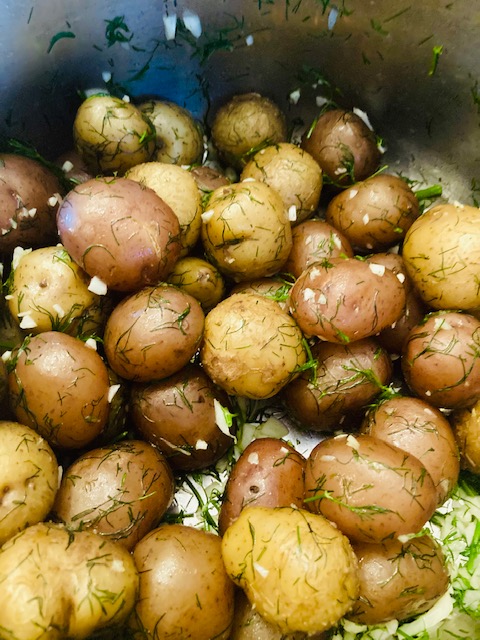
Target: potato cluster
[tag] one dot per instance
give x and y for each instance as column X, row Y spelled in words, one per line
column 155, row 286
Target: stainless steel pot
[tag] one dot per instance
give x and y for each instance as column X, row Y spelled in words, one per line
column 413, row 67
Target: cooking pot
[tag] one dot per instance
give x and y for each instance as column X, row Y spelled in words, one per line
column 412, row 67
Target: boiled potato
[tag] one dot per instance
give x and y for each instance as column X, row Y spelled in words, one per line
column 346, row 299
column 268, row 473
column 178, row 415
column 246, row 232
column 251, row 346
column 398, row 580
column 441, row 253
column 440, row 359
column 185, row 592
column 293, row 173
column 49, row 291
column 29, row 477
column 143, row 327
column 274, row 288
column 347, row 378
column 111, row 135
column 343, row 145
column 59, row 387
column 200, row 279
column 372, row 490
column 208, row 178
column 466, row 427
column 296, row 568
column 315, row 240
column 119, row 492
column 56, row 583
column 374, row 214
column 123, row 234
column 178, row 136
column 244, row 124
column 175, row 186
column 417, row 427
column 29, row 198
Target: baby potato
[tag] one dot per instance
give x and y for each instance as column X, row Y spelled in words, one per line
column 208, row 178
column 274, row 288
column 315, row 240
column 73, row 167
column 120, row 232
column 423, row 431
column 200, row 279
column 293, row 173
column 441, row 253
column 153, row 333
column 440, row 360
column 346, row 299
column 246, row 232
column 296, row 568
column 48, row 291
column 466, row 428
column 56, row 583
column 29, row 198
column 347, row 379
column 177, row 187
column 178, row 415
column 374, row 214
column 371, row 490
column 59, row 387
column 398, row 580
column 268, row 473
column 185, row 592
column 343, row 145
column 178, row 137
column 29, row 477
column 119, row 492
column 244, row 124
column 251, row 346
column 112, row 135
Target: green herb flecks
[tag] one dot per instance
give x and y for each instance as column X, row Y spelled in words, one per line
column 436, row 53
column 61, row 35
column 117, row 31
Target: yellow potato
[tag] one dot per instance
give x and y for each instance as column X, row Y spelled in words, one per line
column 297, row 569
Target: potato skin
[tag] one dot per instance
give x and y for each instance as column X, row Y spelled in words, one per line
column 199, row 278
column 297, row 568
column 119, row 492
column 119, row 231
column 29, row 478
column 441, row 253
column 374, row 214
column 29, row 198
column 177, row 415
column 423, row 431
column 440, row 360
column 142, row 328
column 185, row 592
column 466, row 427
column 346, row 300
column 251, row 346
column 372, row 490
column 269, row 473
column 84, row 583
column 398, row 580
column 343, row 145
column 59, row 387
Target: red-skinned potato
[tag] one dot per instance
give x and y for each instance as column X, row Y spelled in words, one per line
column 185, row 593
column 398, row 580
column 29, row 198
column 119, row 492
column 347, row 378
column 59, row 387
column 120, row 232
column 423, row 431
column 268, row 473
column 346, row 299
column 440, row 360
column 143, row 327
column 374, row 214
column 343, row 145
column 178, row 415
column 372, row 490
